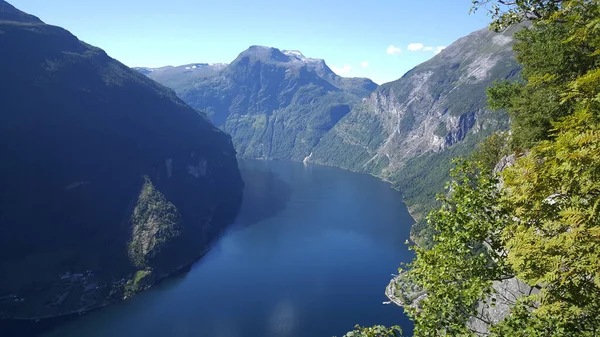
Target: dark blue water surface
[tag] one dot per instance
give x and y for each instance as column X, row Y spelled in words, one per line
column 310, row 255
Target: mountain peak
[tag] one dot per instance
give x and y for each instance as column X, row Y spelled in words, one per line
column 257, row 47
column 9, row 13
column 271, row 54
column 263, row 53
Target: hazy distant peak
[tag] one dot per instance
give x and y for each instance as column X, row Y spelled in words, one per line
column 9, row 13
column 190, row 66
column 194, row 66
column 218, row 64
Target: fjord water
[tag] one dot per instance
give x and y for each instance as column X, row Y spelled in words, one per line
column 310, row 255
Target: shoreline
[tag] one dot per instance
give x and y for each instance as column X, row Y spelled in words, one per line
column 34, row 326
column 389, row 293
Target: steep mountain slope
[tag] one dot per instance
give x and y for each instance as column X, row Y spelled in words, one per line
column 407, row 130
column 108, row 181
column 275, row 104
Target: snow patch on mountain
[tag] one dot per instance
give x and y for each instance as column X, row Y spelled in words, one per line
column 296, row 55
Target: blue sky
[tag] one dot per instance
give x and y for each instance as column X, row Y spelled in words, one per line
column 356, row 38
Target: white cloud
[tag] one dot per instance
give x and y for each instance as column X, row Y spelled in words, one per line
column 415, row 46
column 422, row 47
column 364, row 64
column 392, row 50
column 343, row 70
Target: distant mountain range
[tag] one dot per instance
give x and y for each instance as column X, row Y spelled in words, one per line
column 179, row 78
column 108, row 181
column 282, row 105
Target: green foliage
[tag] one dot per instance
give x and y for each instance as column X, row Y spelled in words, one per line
column 506, row 13
column 551, row 86
column 543, row 228
column 375, row 331
column 489, row 152
column 554, row 192
column 500, row 94
column 155, row 221
column 139, row 281
column 457, row 272
column 420, row 180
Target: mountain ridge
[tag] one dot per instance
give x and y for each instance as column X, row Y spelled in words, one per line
column 109, row 181
column 11, row 14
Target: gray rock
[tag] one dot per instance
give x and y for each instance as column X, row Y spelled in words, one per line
column 490, row 312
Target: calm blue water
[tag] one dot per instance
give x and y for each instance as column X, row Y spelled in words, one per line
column 310, row 255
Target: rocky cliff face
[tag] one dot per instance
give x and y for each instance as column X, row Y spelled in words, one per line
column 275, row 104
column 108, row 181
column 431, row 109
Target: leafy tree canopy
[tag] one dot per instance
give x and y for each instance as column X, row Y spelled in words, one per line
column 466, row 257
column 554, row 244
column 508, row 12
column 560, row 56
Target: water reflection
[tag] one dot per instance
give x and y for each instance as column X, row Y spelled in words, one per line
column 262, row 188
column 310, row 256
